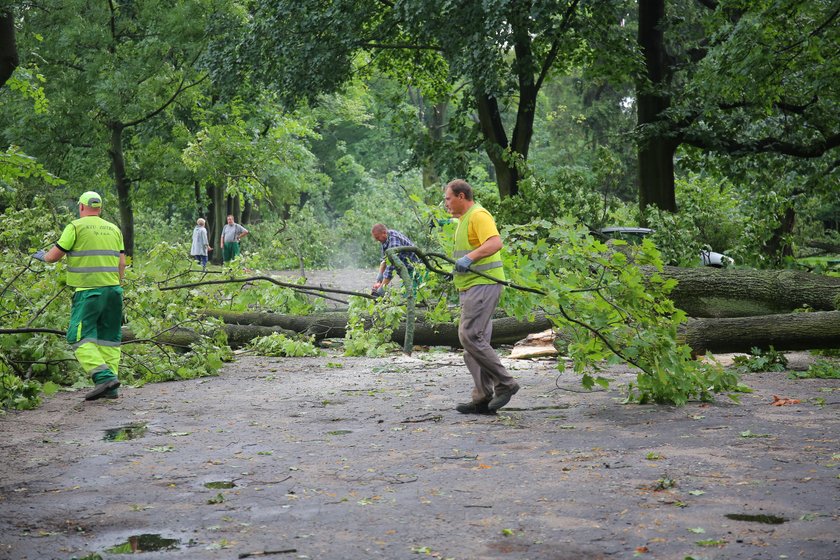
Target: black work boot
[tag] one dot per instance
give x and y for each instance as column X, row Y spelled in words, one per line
column 473, row 407
column 100, row 390
column 502, row 398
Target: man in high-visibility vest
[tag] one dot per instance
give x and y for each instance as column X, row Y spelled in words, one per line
column 95, row 267
column 477, row 246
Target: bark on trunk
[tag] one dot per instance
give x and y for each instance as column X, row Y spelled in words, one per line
column 246, row 212
column 656, row 150
column 824, row 246
column 778, row 246
column 496, row 142
column 123, row 184
column 793, row 331
column 333, row 325
column 8, row 47
column 199, row 205
column 217, row 193
column 238, row 335
column 712, row 292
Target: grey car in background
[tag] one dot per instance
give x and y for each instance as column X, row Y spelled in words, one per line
column 636, row 234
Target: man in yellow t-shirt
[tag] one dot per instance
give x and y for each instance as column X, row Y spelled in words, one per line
column 477, row 246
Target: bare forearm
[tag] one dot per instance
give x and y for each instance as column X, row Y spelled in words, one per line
column 490, row 247
column 54, row 255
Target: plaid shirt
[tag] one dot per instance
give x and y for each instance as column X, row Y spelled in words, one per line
column 397, row 239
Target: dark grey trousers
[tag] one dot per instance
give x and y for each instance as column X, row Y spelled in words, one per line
column 474, row 331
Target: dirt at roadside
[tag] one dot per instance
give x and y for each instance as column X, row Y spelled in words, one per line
column 340, row 458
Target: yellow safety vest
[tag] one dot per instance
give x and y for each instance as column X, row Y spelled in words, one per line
column 492, row 265
column 94, row 259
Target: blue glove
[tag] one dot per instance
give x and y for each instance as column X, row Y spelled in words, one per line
column 40, row 255
column 380, row 277
column 462, row 264
column 378, row 292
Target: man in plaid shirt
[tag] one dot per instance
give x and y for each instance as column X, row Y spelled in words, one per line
column 391, row 238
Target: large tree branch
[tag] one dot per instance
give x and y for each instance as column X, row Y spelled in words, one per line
column 555, row 45
column 710, row 4
column 764, row 145
column 178, row 91
column 813, row 33
column 406, row 46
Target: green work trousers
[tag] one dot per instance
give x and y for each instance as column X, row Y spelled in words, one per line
column 230, row 250
column 95, row 331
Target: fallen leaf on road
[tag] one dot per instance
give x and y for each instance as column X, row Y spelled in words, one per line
column 783, row 401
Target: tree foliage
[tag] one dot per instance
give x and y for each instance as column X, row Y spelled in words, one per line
column 500, row 53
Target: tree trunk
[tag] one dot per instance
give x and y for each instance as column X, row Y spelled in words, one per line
column 496, row 144
column 123, row 184
column 656, row 150
column 523, row 129
column 778, row 246
column 432, row 117
column 246, row 212
column 217, row 197
column 199, row 204
column 824, row 246
column 793, row 331
column 333, row 325
column 713, row 292
column 8, row 46
column 238, row 335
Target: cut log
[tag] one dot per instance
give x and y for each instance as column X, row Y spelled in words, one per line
column 824, row 246
column 238, row 335
column 322, row 325
column 791, row 331
column 712, row 292
column 333, row 325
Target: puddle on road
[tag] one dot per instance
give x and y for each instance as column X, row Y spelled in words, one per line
column 760, row 518
column 220, row 484
column 144, row 543
column 125, row 433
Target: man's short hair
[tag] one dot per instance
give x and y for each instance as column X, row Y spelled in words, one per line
column 378, row 228
column 459, row 186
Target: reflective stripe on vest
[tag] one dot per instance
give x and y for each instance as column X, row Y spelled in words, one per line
column 492, row 265
column 94, row 259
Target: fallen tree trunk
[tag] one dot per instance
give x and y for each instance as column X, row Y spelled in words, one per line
column 712, row 292
column 825, row 246
column 506, row 330
column 791, row 331
column 238, row 335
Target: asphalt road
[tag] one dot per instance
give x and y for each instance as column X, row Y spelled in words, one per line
column 340, row 458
